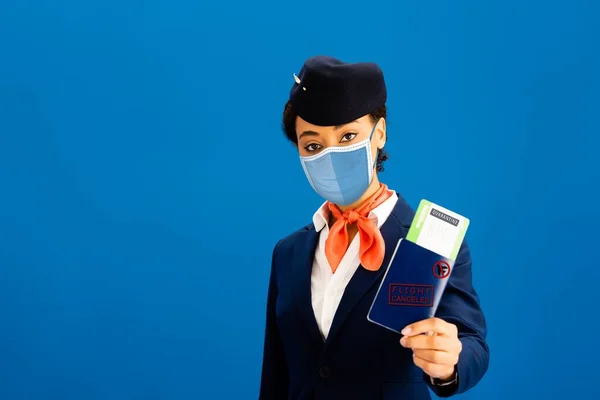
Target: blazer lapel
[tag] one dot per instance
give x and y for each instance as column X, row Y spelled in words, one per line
column 362, row 280
column 304, row 251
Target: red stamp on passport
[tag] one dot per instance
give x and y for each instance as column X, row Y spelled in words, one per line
column 406, row 294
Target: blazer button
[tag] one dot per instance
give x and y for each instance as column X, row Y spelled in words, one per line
column 324, row 372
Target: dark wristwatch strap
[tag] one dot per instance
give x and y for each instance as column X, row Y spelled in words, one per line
column 438, row 382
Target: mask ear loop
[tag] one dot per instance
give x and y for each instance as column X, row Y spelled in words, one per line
column 370, row 139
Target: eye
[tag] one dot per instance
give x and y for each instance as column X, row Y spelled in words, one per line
column 348, row 137
column 312, row 147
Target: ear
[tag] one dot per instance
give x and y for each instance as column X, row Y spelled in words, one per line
column 380, row 134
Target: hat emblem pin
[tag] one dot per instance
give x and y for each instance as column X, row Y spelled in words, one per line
column 298, row 81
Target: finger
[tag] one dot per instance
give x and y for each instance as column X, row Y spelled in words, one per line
column 440, row 343
column 431, row 369
column 436, row 325
column 437, row 357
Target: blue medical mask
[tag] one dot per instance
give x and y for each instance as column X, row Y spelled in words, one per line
column 341, row 174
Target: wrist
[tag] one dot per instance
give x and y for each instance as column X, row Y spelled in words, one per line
column 449, row 376
column 446, row 380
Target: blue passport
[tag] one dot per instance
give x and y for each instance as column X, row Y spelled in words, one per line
column 411, row 288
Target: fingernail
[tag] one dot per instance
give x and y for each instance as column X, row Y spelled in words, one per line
column 405, row 331
column 403, row 341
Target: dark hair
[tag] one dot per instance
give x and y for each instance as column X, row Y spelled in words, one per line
column 289, row 128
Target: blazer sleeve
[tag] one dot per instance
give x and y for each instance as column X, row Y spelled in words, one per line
column 460, row 306
column 274, row 380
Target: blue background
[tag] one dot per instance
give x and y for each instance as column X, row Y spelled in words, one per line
column 144, row 180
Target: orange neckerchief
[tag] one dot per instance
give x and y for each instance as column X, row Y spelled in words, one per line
column 372, row 246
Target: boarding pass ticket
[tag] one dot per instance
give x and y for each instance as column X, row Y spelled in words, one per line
column 438, row 229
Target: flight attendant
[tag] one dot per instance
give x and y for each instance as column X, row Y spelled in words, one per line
column 318, row 341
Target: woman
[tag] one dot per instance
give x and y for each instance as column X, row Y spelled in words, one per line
column 318, row 341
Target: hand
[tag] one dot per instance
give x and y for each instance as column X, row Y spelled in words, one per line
column 435, row 346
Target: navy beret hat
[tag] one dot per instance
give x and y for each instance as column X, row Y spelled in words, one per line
column 329, row 92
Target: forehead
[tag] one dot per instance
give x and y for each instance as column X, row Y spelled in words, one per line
column 302, row 126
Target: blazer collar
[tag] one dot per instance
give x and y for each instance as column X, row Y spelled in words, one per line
column 302, row 261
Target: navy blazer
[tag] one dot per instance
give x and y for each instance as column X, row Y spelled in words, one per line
column 359, row 360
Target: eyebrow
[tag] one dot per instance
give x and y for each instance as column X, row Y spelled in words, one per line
column 313, row 133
